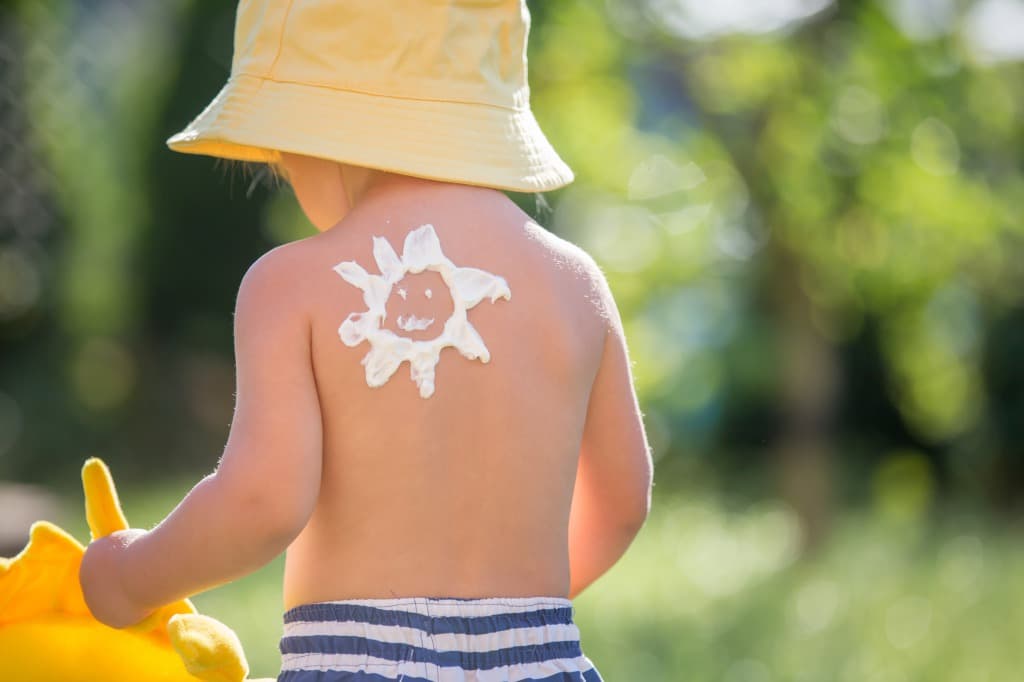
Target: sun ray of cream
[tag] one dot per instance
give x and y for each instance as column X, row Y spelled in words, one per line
column 468, row 286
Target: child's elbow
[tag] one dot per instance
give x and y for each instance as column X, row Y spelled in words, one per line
column 642, row 507
column 283, row 524
column 285, row 518
column 631, row 511
column 274, row 516
column 636, row 520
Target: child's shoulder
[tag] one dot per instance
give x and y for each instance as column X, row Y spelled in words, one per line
column 276, row 266
column 578, row 265
column 562, row 253
column 275, row 279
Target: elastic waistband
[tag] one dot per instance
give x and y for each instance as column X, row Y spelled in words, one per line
column 525, row 638
column 554, row 609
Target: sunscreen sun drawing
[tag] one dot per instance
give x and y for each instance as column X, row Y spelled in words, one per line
column 468, row 286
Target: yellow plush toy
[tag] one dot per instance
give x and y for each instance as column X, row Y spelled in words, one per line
column 47, row 633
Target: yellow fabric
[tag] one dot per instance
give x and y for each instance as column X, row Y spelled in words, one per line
column 433, row 89
column 102, row 506
column 211, row 650
column 47, row 633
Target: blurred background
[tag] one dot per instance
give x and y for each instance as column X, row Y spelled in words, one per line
column 810, row 213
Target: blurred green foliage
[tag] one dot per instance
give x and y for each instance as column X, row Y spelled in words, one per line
column 807, row 218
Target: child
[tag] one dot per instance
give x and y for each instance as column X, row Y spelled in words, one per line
column 437, row 522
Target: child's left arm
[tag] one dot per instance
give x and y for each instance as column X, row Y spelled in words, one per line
column 265, row 486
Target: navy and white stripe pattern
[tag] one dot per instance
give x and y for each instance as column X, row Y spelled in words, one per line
column 434, row 639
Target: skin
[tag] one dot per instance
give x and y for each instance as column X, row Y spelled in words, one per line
column 526, row 476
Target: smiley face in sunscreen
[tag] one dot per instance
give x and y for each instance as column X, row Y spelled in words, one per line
column 467, row 286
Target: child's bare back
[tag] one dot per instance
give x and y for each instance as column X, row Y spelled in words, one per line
column 509, row 469
column 467, row 492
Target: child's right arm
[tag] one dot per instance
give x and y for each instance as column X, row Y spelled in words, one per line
column 612, row 495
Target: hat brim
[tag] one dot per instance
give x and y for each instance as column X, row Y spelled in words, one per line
column 253, row 119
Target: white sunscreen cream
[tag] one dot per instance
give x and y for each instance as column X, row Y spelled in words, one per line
column 413, row 323
column 468, row 286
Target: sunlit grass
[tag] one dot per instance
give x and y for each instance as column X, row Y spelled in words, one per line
column 710, row 594
column 705, row 594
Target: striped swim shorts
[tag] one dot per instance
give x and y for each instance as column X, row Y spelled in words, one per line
column 434, row 639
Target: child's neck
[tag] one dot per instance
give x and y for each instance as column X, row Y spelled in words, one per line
column 387, row 187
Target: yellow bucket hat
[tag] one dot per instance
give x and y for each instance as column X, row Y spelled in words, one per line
column 436, row 89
